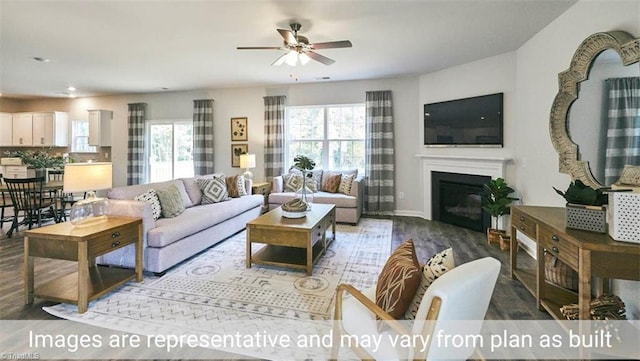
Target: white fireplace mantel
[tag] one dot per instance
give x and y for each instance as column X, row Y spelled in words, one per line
column 493, row 167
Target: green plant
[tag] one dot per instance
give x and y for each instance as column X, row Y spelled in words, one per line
column 37, row 158
column 580, row 193
column 495, row 197
column 303, row 163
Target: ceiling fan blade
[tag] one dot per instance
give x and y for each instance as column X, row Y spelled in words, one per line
column 321, row 58
column 332, row 45
column 288, row 36
column 280, row 60
column 259, row 48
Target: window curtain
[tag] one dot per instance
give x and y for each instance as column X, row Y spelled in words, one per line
column 623, row 126
column 274, row 136
column 203, row 136
column 135, row 155
column 379, row 159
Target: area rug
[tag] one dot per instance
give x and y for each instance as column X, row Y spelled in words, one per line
column 214, row 292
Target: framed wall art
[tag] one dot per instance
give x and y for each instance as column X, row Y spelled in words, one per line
column 236, row 151
column 239, row 130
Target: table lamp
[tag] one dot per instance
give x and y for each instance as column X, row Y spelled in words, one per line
column 88, row 178
column 248, row 161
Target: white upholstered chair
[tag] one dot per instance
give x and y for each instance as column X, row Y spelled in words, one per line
column 462, row 293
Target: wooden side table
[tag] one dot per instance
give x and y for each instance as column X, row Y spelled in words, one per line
column 263, row 188
column 83, row 245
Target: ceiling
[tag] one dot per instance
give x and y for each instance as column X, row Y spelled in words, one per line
column 115, row 47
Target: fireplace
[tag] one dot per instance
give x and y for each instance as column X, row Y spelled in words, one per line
column 456, row 200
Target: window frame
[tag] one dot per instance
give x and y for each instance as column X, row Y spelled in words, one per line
column 324, row 163
column 72, row 147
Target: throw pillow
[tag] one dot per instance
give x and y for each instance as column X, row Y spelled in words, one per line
column 398, row 281
column 171, row 201
column 214, row 189
column 346, row 181
column 292, row 182
column 331, row 182
column 151, row 197
column 435, row 267
column 235, row 186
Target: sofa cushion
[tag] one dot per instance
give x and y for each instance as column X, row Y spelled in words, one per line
column 196, row 219
column 331, row 182
column 292, row 182
column 192, row 189
column 214, row 189
column 235, row 186
column 339, row 199
column 130, row 192
column 151, row 197
column 345, row 183
column 170, row 201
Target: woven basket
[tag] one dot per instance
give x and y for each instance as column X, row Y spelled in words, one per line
column 559, row 273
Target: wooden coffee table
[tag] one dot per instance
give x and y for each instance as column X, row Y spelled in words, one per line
column 295, row 243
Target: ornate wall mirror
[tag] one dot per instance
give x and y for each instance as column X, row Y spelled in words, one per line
column 578, row 115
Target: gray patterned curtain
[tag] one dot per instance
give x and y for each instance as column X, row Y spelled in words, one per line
column 135, row 156
column 380, row 159
column 623, row 126
column 274, row 136
column 203, row 136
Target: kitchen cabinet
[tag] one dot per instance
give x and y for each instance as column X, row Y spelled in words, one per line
column 6, row 136
column 22, row 129
column 100, row 127
column 40, row 129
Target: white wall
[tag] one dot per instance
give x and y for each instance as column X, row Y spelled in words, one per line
column 539, row 61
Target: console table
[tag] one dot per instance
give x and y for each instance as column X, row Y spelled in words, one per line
column 590, row 254
column 81, row 244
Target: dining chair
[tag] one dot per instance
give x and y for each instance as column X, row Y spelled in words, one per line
column 29, row 198
column 5, row 202
column 463, row 293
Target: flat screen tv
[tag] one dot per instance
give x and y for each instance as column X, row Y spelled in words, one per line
column 468, row 122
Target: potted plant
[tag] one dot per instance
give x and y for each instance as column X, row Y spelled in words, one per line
column 585, row 207
column 495, row 201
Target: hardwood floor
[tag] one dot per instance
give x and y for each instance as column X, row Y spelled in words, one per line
column 510, row 299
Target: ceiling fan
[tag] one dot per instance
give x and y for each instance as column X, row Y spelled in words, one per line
column 299, row 49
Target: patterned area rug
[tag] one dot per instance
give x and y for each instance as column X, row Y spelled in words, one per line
column 214, row 292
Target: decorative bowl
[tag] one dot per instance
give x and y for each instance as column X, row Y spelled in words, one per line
column 294, row 214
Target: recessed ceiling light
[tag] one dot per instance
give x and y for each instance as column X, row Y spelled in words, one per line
column 42, row 60
column 72, row 95
column 71, row 88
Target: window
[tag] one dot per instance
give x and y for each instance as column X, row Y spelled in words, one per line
column 80, row 137
column 169, row 150
column 332, row 135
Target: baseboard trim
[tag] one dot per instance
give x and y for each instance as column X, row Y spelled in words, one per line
column 404, row 213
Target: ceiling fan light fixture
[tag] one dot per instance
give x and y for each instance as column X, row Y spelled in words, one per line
column 304, row 58
column 292, row 58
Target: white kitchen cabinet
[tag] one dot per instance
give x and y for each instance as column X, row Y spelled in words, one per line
column 51, row 129
column 100, row 127
column 22, row 129
column 6, row 130
column 40, row 129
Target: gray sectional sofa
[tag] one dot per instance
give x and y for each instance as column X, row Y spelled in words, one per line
column 348, row 206
column 168, row 241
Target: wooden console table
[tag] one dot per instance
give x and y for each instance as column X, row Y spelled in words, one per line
column 589, row 253
column 83, row 245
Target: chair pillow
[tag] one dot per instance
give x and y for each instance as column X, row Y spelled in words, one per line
column 346, row 181
column 214, row 189
column 170, row 201
column 151, row 197
column 235, row 186
column 435, row 267
column 331, row 182
column 398, row 281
